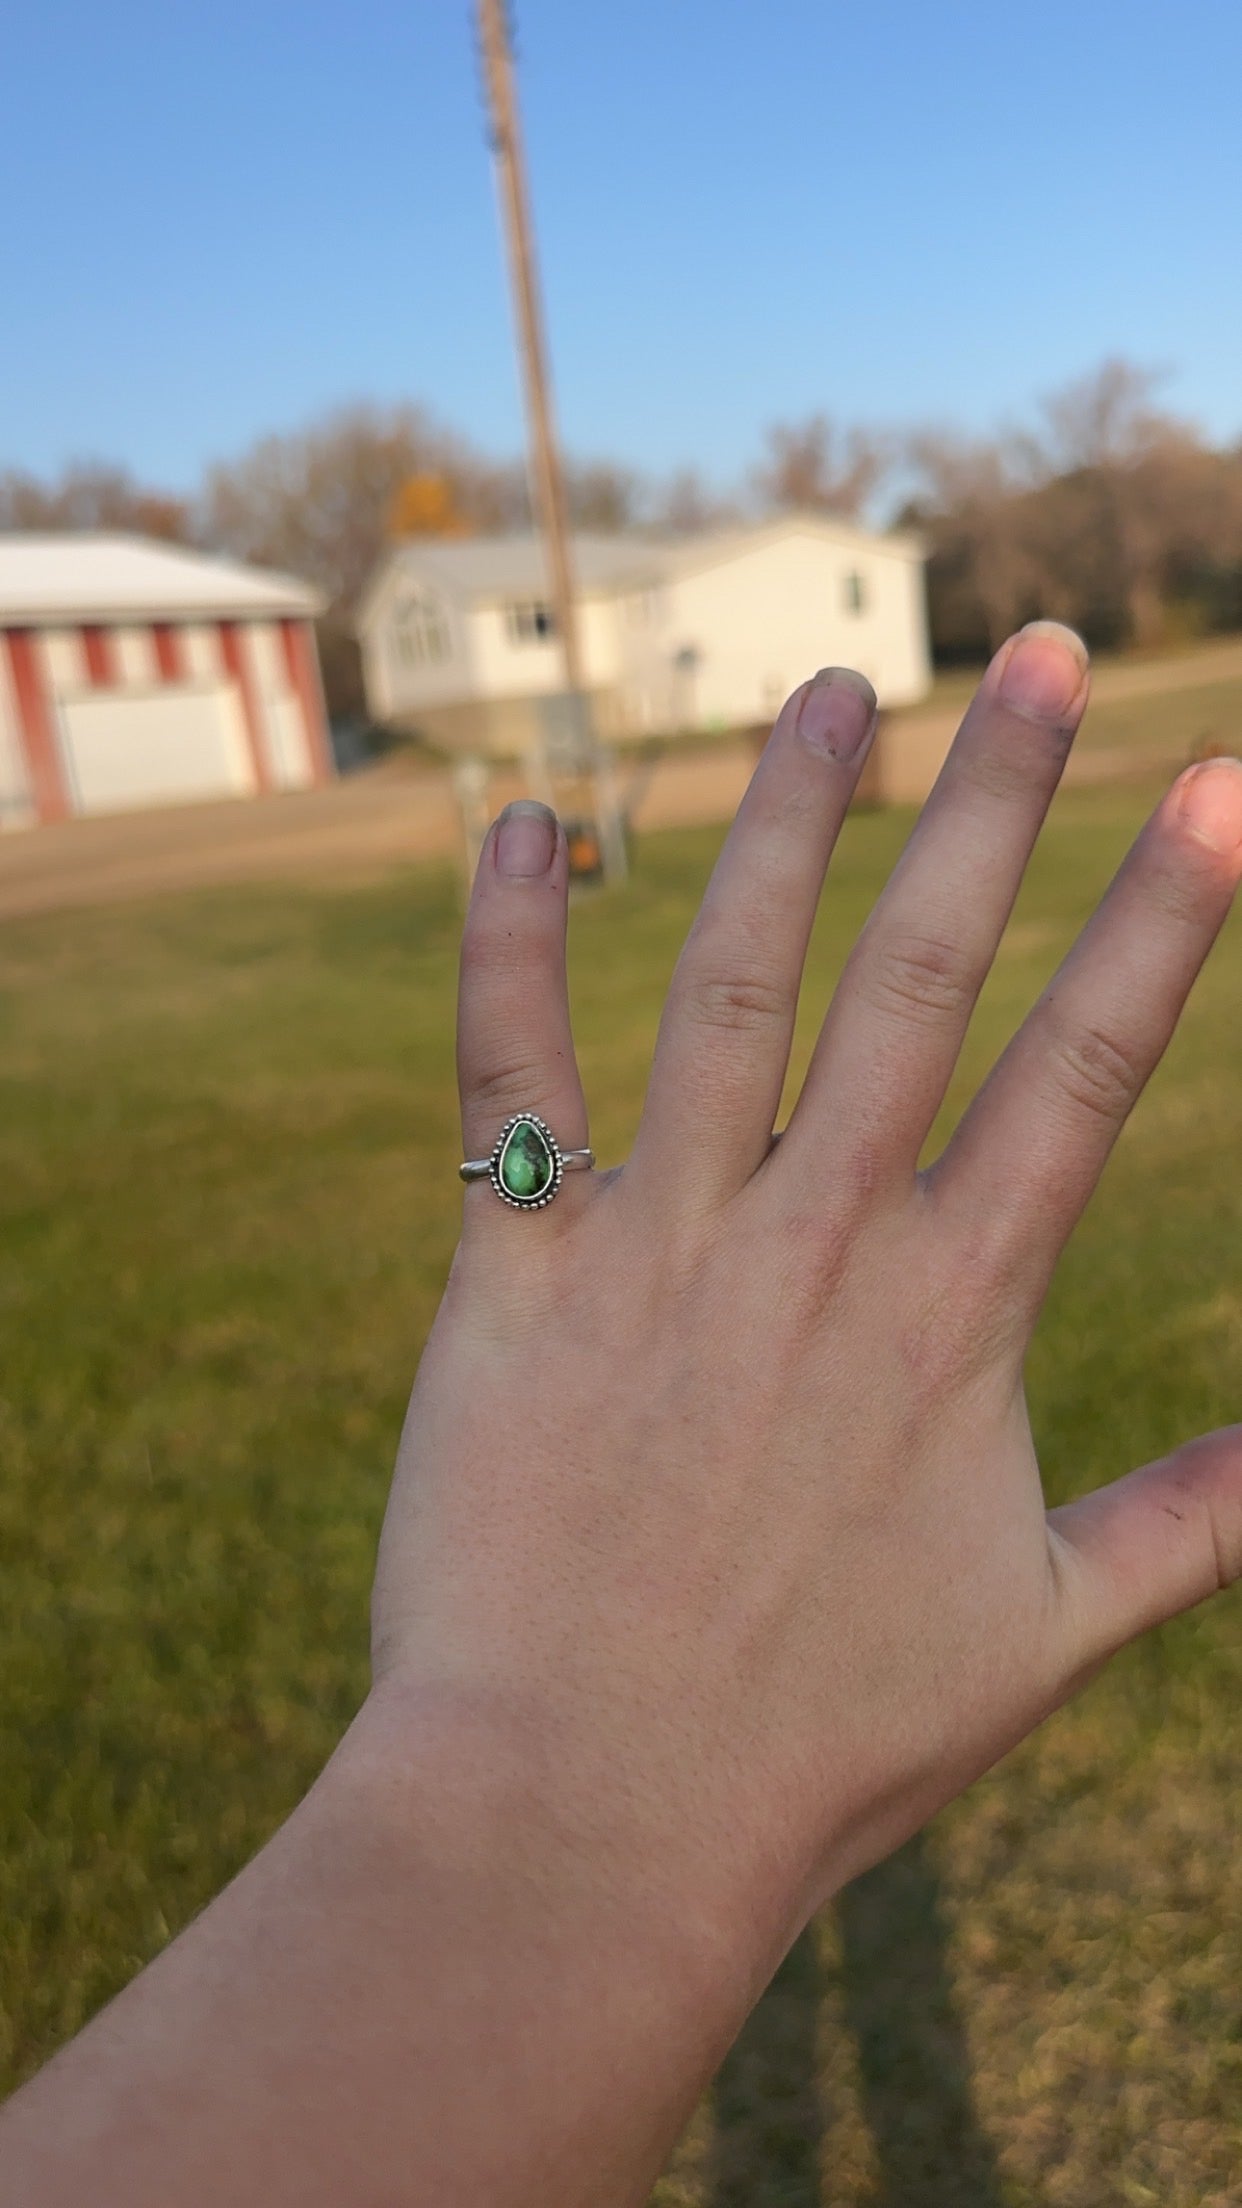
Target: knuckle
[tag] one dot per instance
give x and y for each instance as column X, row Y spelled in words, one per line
column 1098, row 1072
column 507, row 1086
column 739, row 1004
column 1005, row 770
column 922, row 977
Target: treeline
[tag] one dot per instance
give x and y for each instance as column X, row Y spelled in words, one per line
column 1105, row 510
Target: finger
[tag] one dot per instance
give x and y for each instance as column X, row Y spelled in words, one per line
column 515, row 1050
column 895, row 1027
column 1150, row 1546
column 1034, row 1142
column 724, row 1039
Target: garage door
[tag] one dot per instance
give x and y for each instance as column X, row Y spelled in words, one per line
column 155, row 749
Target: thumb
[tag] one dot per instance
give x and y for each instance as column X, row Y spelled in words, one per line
column 1153, row 1544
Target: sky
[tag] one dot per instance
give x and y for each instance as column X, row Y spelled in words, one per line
column 224, row 220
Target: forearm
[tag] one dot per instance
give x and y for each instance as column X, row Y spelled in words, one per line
column 419, row 1991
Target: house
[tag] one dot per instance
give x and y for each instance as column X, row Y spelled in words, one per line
column 705, row 632
column 137, row 673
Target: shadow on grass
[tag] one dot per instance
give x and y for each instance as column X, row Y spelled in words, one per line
column 913, row 2065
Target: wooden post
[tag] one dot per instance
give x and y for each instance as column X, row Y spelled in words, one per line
column 547, row 474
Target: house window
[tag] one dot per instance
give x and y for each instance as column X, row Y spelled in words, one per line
column 420, row 631
column 854, row 592
column 530, row 621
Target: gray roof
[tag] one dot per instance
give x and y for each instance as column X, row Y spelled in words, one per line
column 505, row 567
column 486, row 567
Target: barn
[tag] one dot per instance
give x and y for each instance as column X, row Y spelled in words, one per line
column 134, row 673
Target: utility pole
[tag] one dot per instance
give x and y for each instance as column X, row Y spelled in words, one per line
column 580, row 755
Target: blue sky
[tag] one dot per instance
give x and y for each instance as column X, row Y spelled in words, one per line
column 223, row 220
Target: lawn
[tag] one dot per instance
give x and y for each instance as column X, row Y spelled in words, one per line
column 227, row 1142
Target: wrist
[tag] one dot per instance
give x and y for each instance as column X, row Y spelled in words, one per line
column 529, row 1816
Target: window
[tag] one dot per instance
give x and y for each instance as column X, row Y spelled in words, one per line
column 530, row 621
column 854, row 592
column 420, row 631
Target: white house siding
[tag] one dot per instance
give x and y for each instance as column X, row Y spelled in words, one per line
column 504, row 668
column 282, row 727
column 393, row 685
column 200, row 646
column 15, row 800
column 751, row 627
column 64, row 659
column 133, row 658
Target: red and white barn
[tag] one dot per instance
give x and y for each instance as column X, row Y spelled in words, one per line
column 134, row 673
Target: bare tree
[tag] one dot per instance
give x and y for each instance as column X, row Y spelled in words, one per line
column 1106, row 419
column 973, row 504
column 686, row 504
column 1124, row 496
column 90, row 494
column 820, row 468
column 602, row 495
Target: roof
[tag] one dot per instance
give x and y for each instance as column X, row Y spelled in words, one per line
column 495, row 567
column 485, row 568
column 93, row 576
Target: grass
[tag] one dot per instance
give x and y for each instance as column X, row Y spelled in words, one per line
column 227, row 1139
column 1175, row 725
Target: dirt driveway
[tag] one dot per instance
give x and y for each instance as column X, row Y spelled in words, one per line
column 387, row 816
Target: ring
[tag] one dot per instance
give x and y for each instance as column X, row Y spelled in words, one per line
column 527, row 1163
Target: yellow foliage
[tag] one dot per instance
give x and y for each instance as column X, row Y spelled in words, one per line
column 425, row 506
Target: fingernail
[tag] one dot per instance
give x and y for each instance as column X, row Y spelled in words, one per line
column 837, row 713
column 1044, row 671
column 525, row 840
column 1209, row 800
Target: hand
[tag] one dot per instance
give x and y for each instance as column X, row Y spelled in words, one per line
column 718, row 1491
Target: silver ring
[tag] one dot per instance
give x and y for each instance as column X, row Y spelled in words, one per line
column 527, row 1164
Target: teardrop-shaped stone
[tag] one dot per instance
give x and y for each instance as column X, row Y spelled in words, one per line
column 526, row 1163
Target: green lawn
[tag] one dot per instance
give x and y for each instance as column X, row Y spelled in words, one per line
column 227, row 1142
column 1178, row 724
column 1173, row 724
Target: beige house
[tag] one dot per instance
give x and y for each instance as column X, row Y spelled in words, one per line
column 705, row 633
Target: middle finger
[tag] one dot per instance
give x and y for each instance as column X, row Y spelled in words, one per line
column 895, row 1027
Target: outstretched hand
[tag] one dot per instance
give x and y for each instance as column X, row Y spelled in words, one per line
column 718, row 1481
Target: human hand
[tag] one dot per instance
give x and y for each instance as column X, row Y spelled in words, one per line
column 718, row 1477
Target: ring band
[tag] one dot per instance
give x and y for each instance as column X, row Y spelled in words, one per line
column 527, row 1163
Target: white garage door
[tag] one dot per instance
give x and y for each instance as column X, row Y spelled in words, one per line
column 154, row 749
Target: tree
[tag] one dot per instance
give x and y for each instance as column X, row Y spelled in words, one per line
column 686, row 504
column 1124, row 495
column 818, row 467
column 92, row 495
column 426, row 505
column 984, row 577
column 319, row 502
column 602, row 496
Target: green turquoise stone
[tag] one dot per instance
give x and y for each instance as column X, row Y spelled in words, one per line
column 526, row 1163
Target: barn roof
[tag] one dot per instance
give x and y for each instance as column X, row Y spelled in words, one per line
column 90, row 575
